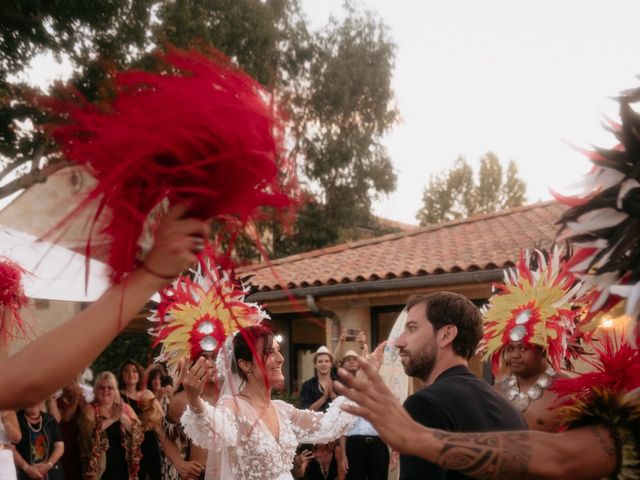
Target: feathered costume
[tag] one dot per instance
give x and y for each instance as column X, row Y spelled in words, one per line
column 201, row 131
column 533, row 306
column 604, row 221
column 199, row 314
column 603, row 225
column 610, row 395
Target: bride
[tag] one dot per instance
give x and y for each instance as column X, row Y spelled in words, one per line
column 249, row 435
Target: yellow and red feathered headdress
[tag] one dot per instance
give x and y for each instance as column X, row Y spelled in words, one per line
column 197, row 314
column 533, row 306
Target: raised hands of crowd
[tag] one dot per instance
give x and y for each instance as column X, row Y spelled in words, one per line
column 301, row 462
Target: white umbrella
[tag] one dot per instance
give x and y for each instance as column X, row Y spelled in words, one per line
column 56, row 273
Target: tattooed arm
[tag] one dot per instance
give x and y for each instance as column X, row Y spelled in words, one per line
column 583, row 453
column 507, row 455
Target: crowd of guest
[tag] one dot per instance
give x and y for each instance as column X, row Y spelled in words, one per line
column 127, row 426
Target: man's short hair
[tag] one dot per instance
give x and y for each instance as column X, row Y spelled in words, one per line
column 447, row 308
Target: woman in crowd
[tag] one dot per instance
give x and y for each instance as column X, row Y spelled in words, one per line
column 41, row 446
column 149, row 411
column 9, row 433
column 251, row 436
column 160, row 384
column 70, row 404
column 171, row 436
column 110, row 434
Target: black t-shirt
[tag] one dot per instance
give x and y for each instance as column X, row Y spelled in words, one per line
column 457, row 401
column 310, row 392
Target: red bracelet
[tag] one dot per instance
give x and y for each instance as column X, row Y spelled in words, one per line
column 156, row 274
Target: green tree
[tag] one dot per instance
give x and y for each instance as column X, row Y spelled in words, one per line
column 455, row 194
column 335, row 84
column 89, row 35
column 343, row 116
column 126, row 346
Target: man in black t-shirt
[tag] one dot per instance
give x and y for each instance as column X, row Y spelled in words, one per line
column 441, row 333
column 317, row 392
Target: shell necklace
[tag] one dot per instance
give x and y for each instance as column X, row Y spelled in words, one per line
column 522, row 400
column 35, row 422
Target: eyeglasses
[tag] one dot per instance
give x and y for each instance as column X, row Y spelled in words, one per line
column 105, row 387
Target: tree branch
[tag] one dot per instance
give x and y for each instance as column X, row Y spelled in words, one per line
column 31, row 178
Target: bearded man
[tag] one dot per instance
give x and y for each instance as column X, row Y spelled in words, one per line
column 441, row 333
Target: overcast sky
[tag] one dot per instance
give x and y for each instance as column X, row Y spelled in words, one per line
column 517, row 77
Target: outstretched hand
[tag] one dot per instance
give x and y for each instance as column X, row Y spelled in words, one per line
column 177, row 241
column 374, row 358
column 377, row 404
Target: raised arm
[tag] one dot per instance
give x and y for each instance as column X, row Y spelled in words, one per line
column 318, row 427
column 90, row 331
column 503, row 455
column 206, row 425
column 338, row 352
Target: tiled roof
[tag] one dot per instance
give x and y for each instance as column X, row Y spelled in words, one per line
column 482, row 242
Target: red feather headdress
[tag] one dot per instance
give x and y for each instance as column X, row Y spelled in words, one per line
column 202, row 132
column 534, row 306
column 12, row 297
column 616, row 368
column 198, row 312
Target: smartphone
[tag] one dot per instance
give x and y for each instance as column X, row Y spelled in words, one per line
column 352, row 334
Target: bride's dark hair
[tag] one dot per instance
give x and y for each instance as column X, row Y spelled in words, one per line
column 245, row 347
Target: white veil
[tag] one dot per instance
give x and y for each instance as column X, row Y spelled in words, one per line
column 227, row 313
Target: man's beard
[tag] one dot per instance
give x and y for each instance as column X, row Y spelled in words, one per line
column 420, row 364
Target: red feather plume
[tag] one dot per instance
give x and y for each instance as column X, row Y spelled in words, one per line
column 616, row 367
column 201, row 132
column 12, row 297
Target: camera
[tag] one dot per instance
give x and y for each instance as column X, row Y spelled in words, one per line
column 352, row 334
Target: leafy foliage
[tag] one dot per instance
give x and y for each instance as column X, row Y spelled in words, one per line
column 335, row 84
column 456, row 194
column 125, row 346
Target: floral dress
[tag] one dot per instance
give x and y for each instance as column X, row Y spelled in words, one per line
column 242, row 446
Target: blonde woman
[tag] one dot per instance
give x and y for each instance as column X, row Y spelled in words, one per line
column 149, row 411
column 110, row 434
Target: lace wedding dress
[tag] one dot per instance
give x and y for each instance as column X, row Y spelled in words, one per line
column 241, row 446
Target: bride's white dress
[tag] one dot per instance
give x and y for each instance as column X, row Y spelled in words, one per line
column 245, row 449
column 7, row 467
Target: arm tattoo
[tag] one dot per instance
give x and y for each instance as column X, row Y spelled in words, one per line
column 607, row 447
column 504, row 455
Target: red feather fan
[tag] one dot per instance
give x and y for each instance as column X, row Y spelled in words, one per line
column 616, row 368
column 202, row 132
column 12, row 297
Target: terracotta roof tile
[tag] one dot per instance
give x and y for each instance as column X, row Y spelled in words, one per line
column 477, row 243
